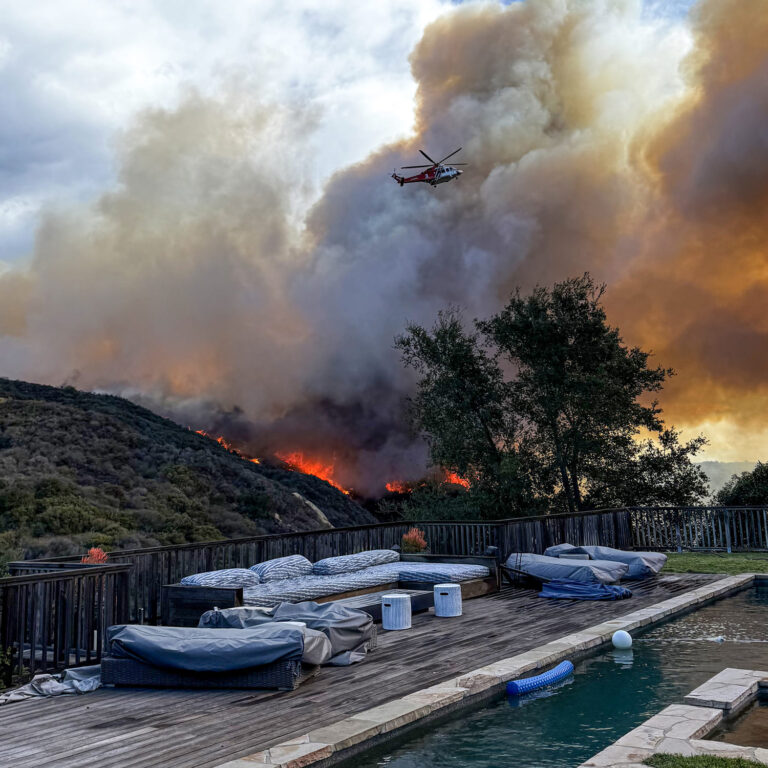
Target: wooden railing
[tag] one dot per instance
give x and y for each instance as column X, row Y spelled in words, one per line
column 703, row 528
column 53, row 612
column 152, row 567
column 56, row 618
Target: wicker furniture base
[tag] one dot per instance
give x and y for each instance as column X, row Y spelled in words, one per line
column 283, row 675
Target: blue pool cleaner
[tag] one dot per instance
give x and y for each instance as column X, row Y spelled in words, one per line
column 528, row 684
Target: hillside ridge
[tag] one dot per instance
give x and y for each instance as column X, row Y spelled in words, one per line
column 80, row 469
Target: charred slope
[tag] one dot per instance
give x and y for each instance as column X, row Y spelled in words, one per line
column 79, row 469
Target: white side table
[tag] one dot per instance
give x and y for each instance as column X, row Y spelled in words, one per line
column 395, row 611
column 447, row 600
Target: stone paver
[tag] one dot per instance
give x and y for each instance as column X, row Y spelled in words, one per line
column 669, row 731
column 729, row 690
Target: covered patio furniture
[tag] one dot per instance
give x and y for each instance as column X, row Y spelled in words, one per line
column 350, row 632
column 270, row 656
column 640, row 565
column 544, row 569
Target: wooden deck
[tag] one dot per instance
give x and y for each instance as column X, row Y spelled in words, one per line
column 137, row 728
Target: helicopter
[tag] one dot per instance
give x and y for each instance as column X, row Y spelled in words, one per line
column 436, row 173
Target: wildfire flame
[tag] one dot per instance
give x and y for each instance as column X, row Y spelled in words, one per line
column 224, row 444
column 395, row 486
column 454, row 479
column 317, row 467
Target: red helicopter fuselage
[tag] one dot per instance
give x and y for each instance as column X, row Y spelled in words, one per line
column 435, row 173
column 434, row 176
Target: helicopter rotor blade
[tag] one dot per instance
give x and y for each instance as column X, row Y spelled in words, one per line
column 417, row 166
column 447, row 156
column 428, row 157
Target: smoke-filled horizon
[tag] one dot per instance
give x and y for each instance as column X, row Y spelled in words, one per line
column 599, row 138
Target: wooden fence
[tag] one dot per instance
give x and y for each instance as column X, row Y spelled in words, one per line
column 57, row 618
column 53, row 612
column 700, row 528
column 155, row 566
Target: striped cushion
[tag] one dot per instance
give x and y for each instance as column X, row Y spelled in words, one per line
column 311, row 587
column 283, row 568
column 229, row 577
column 437, row 573
column 349, row 563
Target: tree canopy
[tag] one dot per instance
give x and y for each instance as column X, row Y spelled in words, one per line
column 745, row 489
column 542, row 405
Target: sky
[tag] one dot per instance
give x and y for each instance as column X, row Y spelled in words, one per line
column 74, row 75
column 195, row 208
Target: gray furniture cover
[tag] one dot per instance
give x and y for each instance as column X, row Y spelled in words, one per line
column 205, row 650
column 349, row 631
column 587, row 571
column 640, row 564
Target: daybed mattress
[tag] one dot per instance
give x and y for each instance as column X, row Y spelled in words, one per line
column 640, row 564
column 439, row 573
column 543, row 567
column 311, row 587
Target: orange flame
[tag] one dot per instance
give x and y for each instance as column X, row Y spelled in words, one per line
column 224, row 444
column 317, row 467
column 454, row 479
column 396, row 486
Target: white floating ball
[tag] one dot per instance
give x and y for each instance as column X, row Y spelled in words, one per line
column 621, row 640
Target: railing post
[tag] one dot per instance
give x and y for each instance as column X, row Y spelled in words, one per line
column 6, row 643
column 728, row 530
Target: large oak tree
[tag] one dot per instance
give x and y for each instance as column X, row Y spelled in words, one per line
column 543, row 404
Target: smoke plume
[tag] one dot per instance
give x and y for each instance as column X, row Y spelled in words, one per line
column 599, row 138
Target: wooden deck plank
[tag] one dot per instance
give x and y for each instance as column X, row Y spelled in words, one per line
column 138, row 728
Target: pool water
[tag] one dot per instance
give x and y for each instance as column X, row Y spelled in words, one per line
column 609, row 694
column 749, row 729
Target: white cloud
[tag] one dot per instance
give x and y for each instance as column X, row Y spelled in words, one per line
column 73, row 74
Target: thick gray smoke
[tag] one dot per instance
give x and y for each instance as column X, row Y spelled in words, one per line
column 193, row 287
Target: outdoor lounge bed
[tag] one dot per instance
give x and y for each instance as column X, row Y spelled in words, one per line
column 640, row 565
column 542, row 568
column 350, row 632
column 270, row 656
column 294, row 579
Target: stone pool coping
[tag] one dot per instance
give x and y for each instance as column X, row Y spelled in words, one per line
column 335, row 742
column 678, row 729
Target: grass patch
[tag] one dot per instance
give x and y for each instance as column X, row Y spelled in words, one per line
column 717, row 562
column 700, row 761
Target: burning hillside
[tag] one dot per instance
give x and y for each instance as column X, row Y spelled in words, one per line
column 299, row 463
column 225, row 444
column 126, row 478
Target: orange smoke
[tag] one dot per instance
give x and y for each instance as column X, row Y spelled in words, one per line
column 298, row 462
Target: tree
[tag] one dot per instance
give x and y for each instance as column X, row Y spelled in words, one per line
column 543, row 403
column 661, row 473
column 462, row 407
column 745, row 489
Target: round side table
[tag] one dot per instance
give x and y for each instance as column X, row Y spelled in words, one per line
column 395, row 611
column 447, row 600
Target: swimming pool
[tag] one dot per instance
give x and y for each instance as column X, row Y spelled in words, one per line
column 610, row 693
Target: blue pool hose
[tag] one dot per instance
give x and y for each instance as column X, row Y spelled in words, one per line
column 528, row 684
